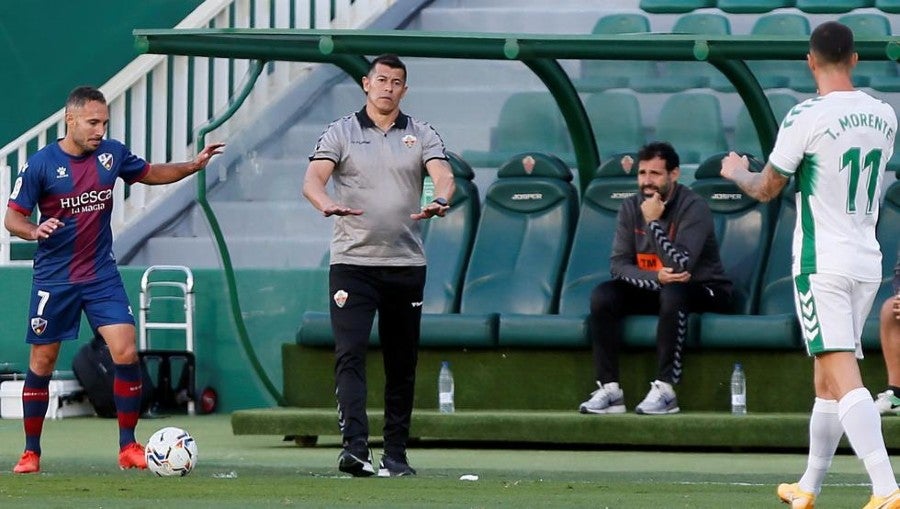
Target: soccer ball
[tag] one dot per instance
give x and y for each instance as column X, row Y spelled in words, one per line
column 171, row 452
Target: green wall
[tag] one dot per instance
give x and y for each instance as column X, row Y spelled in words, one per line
column 48, row 47
column 272, row 301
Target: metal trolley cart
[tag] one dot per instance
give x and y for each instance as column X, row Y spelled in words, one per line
column 171, row 283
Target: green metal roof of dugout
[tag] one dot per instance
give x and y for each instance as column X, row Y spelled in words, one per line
column 345, row 48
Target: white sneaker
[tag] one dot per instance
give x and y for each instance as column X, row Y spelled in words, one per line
column 607, row 399
column 660, row 400
column 887, row 403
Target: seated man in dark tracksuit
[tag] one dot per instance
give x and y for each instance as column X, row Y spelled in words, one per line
column 665, row 262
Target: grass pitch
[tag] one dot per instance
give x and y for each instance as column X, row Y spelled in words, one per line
column 79, row 470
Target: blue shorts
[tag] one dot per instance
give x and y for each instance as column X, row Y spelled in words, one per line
column 55, row 310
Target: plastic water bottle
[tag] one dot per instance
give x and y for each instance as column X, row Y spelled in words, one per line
column 738, row 390
column 445, row 389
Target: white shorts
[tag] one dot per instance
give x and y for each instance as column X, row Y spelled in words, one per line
column 832, row 310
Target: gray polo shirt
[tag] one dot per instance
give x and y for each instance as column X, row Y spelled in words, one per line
column 380, row 173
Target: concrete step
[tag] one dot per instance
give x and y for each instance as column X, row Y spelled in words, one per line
column 263, row 179
column 246, row 252
column 296, row 219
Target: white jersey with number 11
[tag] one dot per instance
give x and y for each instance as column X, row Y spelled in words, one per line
column 836, row 147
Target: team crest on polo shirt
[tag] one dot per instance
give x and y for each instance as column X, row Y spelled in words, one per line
column 409, row 140
column 106, row 159
column 38, row 325
column 340, row 298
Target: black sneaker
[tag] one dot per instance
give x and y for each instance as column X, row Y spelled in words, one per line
column 394, row 467
column 358, row 464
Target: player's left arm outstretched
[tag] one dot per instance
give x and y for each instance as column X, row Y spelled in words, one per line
column 166, row 173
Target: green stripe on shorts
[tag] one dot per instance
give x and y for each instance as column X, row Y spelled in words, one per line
column 810, row 326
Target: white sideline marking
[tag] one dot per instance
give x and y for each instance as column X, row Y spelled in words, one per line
column 712, row 483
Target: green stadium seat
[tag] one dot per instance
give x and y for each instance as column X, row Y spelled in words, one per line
column 881, row 74
column 832, row 6
column 678, row 76
column 893, row 165
column 674, row 6
column 778, row 73
column 448, row 241
column 597, row 75
column 692, row 123
column 889, row 6
column 616, row 121
column 743, row 229
column 776, row 324
column 528, row 121
column 588, row 266
column 752, row 6
column 746, row 139
column 518, row 256
column 888, row 233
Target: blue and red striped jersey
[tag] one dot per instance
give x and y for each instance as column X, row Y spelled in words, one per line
column 79, row 192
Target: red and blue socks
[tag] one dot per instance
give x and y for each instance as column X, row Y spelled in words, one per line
column 35, row 399
column 127, row 395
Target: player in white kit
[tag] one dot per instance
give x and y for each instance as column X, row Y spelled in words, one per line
column 836, row 147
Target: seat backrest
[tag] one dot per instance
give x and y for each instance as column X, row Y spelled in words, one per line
column 530, row 121
column 891, row 6
column 752, row 6
column 692, row 123
column 781, row 24
column 870, row 25
column 832, row 6
column 621, row 24
column 674, row 6
column 698, row 23
column 448, row 242
column 746, row 139
column 616, row 121
column 888, row 231
column 702, row 23
column 588, row 263
column 523, row 238
column 742, row 226
column 777, row 290
column 616, row 74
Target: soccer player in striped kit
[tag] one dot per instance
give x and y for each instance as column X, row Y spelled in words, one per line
column 836, row 147
column 71, row 182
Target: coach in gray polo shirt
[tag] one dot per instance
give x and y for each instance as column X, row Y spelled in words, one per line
column 378, row 158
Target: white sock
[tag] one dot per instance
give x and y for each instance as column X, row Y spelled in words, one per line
column 825, row 433
column 862, row 424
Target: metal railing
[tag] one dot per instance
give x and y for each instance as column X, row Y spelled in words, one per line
column 157, row 102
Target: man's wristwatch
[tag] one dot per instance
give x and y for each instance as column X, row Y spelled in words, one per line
column 441, row 201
